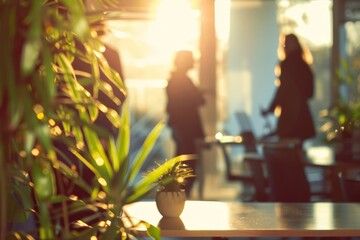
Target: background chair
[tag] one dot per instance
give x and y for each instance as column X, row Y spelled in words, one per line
column 252, row 174
column 231, row 173
column 286, row 174
column 246, row 131
column 350, row 188
column 259, row 178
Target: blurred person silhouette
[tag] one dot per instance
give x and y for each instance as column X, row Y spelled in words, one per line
column 183, row 102
column 295, row 89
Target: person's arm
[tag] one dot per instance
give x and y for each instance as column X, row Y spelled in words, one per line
column 278, row 93
column 274, row 102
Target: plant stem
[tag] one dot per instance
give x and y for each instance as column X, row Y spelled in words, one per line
column 3, row 191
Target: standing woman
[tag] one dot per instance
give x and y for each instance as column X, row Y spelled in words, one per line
column 184, row 101
column 296, row 88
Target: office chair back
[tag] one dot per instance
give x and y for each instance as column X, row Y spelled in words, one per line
column 259, row 180
column 350, row 188
column 286, row 174
column 246, row 131
column 230, row 174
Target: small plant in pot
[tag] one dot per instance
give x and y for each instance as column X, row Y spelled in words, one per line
column 170, row 196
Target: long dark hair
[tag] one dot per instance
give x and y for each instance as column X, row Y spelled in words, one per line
column 292, row 46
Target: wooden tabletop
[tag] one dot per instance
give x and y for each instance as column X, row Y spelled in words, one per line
column 237, row 219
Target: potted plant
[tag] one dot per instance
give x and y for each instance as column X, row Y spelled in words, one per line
column 170, row 195
column 47, row 102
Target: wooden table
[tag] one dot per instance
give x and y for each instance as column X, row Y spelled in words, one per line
column 235, row 219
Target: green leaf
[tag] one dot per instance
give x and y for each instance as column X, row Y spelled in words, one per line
column 78, row 134
column 113, row 156
column 49, row 81
column 42, row 132
column 43, row 178
column 46, row 230
column 64, row 114
column 123, row 140
column 93, row 112
column 153, row 232
column 110, row 73
column 79, row 22
column 149, row 181
column 29, row 141
column 113, row 231
column 19, row 200
column 31, row 53
column 95, row 72
column 69, row 77
column 119, row 154
column 145, row 150
column 74, row 177
column 98, row 153
column 85, row 162
column 44, row 97
column 113, row 117
column 18, row 96
column 32, row 46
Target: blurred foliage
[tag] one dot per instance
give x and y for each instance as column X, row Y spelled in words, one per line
column 49, row 136
column 341, row 120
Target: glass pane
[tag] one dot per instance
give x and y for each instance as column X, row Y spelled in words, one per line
column 312, row 21
column 352, row 49
column 146, row 46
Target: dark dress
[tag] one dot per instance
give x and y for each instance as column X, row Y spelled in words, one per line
column 296, row 88
column 184, row 101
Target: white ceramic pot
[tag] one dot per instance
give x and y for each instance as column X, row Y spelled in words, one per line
column 170, row 204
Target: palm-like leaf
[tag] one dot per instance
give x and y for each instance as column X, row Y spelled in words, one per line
column 46, row 100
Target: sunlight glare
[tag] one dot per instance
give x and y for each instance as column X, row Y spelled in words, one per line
column 316, row 28
column 324, row 216
column 218, row 209
column 175, row 26
column 321, row 154
column 222, row 11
